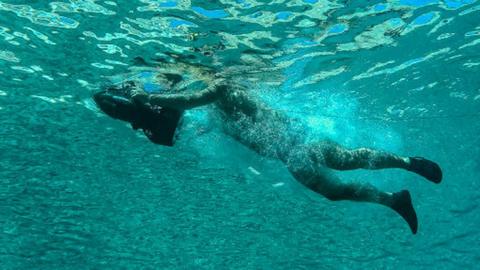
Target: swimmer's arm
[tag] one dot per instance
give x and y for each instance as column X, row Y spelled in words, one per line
column 181, row 101
column 185, row 101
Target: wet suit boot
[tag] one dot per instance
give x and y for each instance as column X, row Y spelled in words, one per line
column 402, row 204
column 426, row 168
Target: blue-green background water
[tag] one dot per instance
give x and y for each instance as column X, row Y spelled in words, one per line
column 82, row 191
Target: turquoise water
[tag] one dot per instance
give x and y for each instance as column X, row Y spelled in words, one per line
column 82, row 191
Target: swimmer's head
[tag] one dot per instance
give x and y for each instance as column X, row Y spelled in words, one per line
column 159, row 124
column 115, row 101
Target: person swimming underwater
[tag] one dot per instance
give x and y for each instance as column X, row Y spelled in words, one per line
column 270, row 134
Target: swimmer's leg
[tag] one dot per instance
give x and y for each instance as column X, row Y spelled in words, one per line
column 335, row 190
column 338, row 157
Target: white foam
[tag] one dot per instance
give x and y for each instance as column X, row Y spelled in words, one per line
column 36, row 68
column 279, row 184
column 61, row 99
column 47, row 99
column 90, row 105
column 83, row 83
column 252, row 170
column 47, row 77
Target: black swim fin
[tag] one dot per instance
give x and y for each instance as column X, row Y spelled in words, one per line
column 159, row 125
column 402, row 204
column 426, row 168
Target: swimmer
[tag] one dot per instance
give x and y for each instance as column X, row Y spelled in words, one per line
column 269, row 133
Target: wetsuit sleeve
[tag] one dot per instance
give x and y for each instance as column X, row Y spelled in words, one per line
column 186, row 101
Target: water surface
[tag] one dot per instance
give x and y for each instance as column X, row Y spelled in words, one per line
column 79, row 190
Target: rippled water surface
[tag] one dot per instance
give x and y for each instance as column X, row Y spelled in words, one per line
column 79, row 190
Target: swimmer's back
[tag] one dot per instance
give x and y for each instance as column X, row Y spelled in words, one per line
column 253, row 123
column 235, row 102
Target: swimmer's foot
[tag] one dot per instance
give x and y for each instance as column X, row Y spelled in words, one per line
column 426, row 168
column 402, row 204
